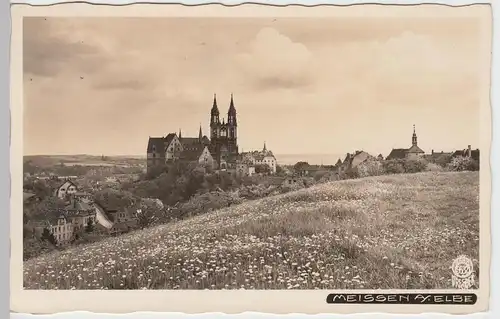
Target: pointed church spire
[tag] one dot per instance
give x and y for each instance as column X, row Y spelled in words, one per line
column 231, row 113
column 200, row 134
column 265, row 148
column 215, row 109
column 232, row 109
column 414, row 137
column 180, row 133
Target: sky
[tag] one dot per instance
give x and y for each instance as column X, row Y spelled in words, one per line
column 302, row 85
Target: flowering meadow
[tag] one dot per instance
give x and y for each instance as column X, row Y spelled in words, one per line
column 397, row 231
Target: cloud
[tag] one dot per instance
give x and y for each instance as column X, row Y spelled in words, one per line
column 288, row 75
column 46, row 52
column 128, row 71
column 405, row 69
column 275, row 61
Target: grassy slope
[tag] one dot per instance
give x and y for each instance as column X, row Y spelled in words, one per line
column 400, row 231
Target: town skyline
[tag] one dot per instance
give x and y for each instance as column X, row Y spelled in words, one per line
column 114, row 87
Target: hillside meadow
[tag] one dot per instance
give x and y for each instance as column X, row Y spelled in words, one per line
column 397, row 231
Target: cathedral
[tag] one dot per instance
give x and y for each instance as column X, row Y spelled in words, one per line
column 221, row 148
column 223, row 135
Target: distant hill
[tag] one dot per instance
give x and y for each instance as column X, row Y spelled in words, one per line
column 84, row 160
column 388, row 232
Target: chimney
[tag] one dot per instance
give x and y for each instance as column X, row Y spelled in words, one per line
column 469, row 151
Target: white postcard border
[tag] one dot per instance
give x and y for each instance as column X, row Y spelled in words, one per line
column 493, row 157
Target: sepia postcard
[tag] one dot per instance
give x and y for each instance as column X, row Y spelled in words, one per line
column 328, row 159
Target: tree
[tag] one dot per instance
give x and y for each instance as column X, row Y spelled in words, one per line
column 48, row 236
column 415, row 165
column 29, row 167
column 27, row 232
column 299, row 166
column 114, row 198
column 262, row 169
column 49, row 207
column 90, row 226
column 370, row 168
column 394, row 166
column 154, row 172
column 462, row 163
column 319, row 175
column 147, row 215
column 279, row 170
column 41, row 189
column 443, row 160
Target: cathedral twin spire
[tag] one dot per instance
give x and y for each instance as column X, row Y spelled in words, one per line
column 231, row 113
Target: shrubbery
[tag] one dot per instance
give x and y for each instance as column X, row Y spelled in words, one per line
column 205, row 202
column 463, row 164
column 330, row 177
column 370, row 168
column 400, row 166
column 415, row 166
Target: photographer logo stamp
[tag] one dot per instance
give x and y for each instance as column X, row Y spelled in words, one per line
column 462, row 273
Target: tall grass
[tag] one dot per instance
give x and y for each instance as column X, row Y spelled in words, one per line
column 400, row 231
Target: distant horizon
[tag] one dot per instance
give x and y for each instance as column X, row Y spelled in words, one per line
column 282, row 159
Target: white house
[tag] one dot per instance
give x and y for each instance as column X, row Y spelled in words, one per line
column 263, row 157
column 67, row 188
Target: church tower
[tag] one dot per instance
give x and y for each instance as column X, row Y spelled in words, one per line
column 214, row 120
column 232, row 126
column 414, row 137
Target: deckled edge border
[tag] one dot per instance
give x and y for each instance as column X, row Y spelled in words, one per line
column 5, row 34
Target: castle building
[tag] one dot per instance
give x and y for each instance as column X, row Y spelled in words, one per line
column 413, row 152
column 220, row 151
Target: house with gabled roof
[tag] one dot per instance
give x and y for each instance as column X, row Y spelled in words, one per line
column 118, row 220
column 262, row 157
column 67, row 188
column 162, row 150
column 200, row 154
column 353, row 160
column 56, row 223
column 414, row 152
column 80, row 212
column 468, row 152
